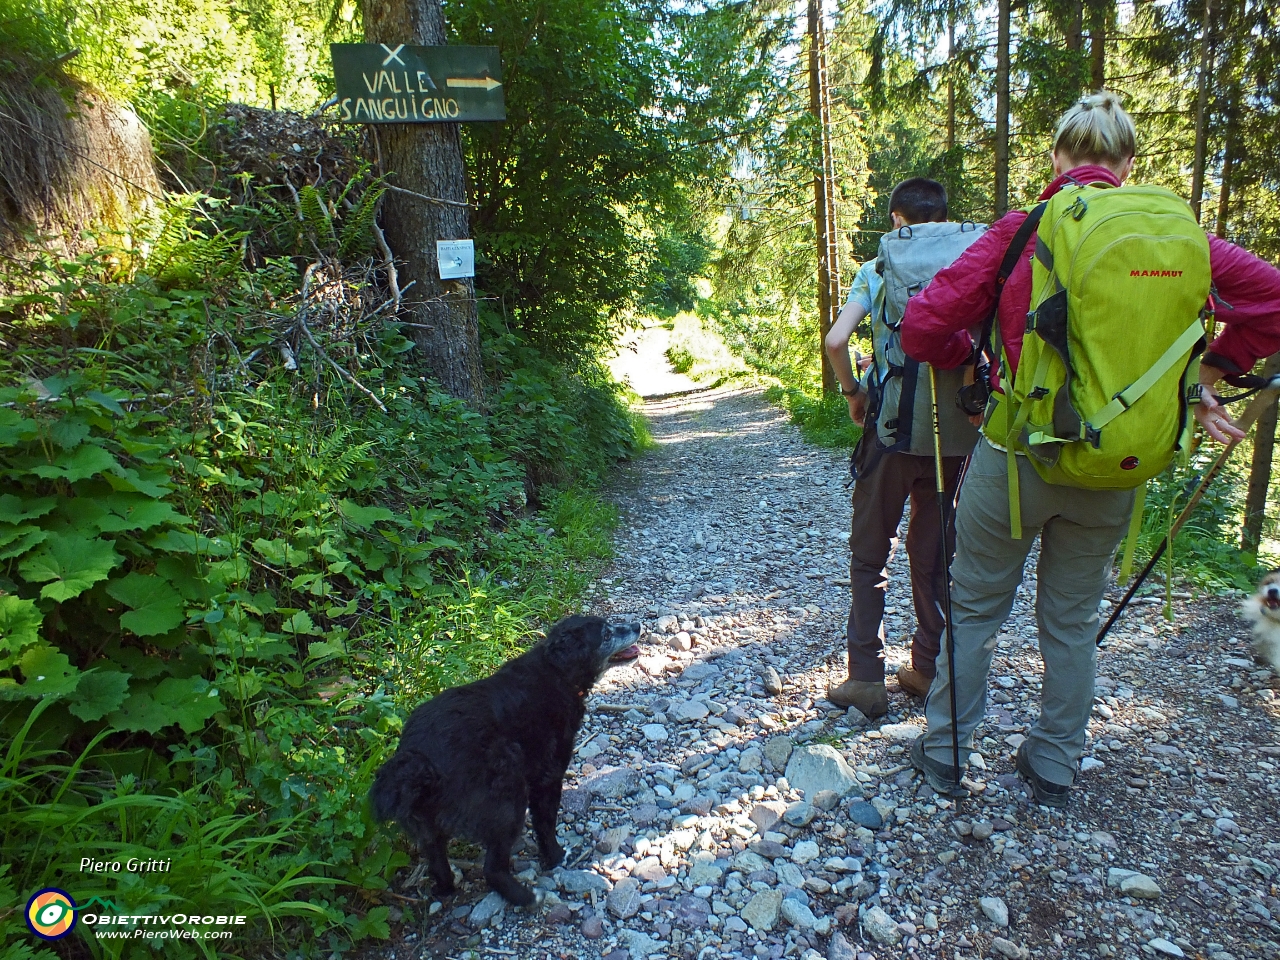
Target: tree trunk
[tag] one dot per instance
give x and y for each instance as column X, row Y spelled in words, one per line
column 1099, row 16
column 823, row 201
column 426, row 158
column 951, row 79
column 1264, row 438
column 1202, row 109
column 1228, row 166
column 1075, row 26
column 1002, row 109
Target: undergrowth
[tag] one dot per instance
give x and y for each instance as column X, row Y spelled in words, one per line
column 226, row 573
column 823, row 419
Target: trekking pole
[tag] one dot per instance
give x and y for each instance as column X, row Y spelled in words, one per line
column 1251, row 413
column 946, row 569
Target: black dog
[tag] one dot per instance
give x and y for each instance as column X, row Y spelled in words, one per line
column 472, row 760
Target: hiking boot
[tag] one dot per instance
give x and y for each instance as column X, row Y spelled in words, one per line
column 914, row 682
column 868, row 696
column 942, row 777
column 1046, row 792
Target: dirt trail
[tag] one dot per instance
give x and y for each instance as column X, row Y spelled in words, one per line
column 719, row 807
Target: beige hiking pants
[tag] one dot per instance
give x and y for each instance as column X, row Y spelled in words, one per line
column 1079, row 532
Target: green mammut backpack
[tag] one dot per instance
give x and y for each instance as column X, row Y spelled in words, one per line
column 1120, row 296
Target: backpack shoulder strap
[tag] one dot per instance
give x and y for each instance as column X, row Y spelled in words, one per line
column 1011, row 257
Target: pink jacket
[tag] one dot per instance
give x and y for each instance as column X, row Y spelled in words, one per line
column 936, row 326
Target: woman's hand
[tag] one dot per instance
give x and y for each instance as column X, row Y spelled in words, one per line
column 1212, row 415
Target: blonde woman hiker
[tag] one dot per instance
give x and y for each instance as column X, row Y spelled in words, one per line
column 1074, row 421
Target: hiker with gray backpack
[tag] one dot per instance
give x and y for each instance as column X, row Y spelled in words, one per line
column 1095, row 304
column 894, row 461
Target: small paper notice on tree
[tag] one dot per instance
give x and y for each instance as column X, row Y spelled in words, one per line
column 457, row 258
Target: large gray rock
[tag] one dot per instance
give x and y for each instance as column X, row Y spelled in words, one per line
column 840, row 948
column 762, row 910
column 800, row 814
column 624, row 898
column 1009, row 949
column 581, row 882
column 767, row 814
column 705, row 870
column 865, row 815
column 640, row 945
column 612, row 783
column 819, row 767
column 1141, row 886
column 749, row 862
column 777, row 750
column 881, row 927
column 488, row 908
column 798, row 914
column 995, row 910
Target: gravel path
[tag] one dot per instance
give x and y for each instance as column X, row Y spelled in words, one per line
column 719, row 807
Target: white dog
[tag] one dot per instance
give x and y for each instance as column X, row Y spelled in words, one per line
column 1263, row 611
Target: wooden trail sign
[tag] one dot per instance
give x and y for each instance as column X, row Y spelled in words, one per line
column 399, row 83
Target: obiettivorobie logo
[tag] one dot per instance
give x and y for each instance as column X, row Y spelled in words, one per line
column 51, row 913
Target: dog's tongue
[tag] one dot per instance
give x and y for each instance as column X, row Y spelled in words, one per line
column 628, row 654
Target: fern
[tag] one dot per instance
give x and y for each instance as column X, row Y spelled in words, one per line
column 315, row 215
column 357, row 225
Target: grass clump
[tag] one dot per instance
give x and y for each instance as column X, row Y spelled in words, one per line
column 823, row 419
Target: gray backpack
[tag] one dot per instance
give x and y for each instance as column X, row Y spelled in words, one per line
column 899, row 386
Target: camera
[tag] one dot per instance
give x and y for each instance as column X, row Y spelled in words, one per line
column 972, row 397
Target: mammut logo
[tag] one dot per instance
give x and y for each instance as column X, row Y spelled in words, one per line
column 1155, row 273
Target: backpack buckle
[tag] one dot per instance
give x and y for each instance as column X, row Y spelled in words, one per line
column 1193, row 393
column 1078, row 209
column 1093, row 435
column 1039, row 393
column 1031, row 321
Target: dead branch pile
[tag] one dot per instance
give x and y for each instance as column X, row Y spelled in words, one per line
column 279, row 147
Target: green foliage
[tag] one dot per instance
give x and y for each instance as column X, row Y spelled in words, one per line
column 223, row 579
column 680, row 358
column 583, row 206
column 1204, row 551
column 823, row 419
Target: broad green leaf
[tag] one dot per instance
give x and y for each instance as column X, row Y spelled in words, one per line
column 155, row 607
column 127, row 478
column 134, row 511
column 187, row 541
column 81, row 463
column 15, row 541
column 15, row 428
column 279, row 552
column 232, row 571
column 69, row 432
column 323, row 649
column 187, row 702
column 19, row 626
column 106, row 402
column 300, row 622
column 73, row 563
column 359, row 516
column 98, row 693
column 15, row 509
column 46, row 671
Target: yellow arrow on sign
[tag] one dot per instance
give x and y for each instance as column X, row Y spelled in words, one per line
column 484, row 83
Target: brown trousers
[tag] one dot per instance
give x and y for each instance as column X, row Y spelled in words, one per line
column 886, row 481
